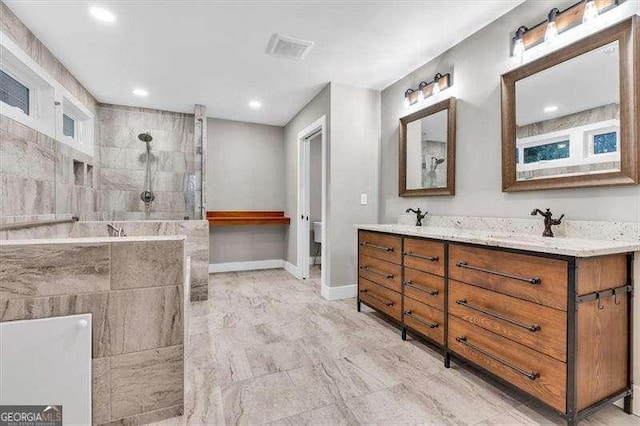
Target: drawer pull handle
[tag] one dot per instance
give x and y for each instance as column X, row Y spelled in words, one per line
column 376, row 298
column 429, row 291
column 531, row 375
column 533, row 327
column 534, row 280
column 375, row 271
column 431, row 258
column 373, row 246
column 415, row 318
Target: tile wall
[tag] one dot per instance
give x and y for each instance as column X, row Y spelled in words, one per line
column 134, row 291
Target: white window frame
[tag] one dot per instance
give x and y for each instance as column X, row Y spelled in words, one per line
column 48, row 100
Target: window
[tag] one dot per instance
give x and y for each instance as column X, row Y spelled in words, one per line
column 546, row 152
column 14, row 93
column 604, row 143
column 68, row 126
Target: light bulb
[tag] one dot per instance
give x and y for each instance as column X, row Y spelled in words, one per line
column 436, row 87
column 420, row 95
column 590, row 11
column 518, row 48
column 551, row 33
column 407, row 103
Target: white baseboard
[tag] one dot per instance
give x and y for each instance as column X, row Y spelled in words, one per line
column 291, row 268
column 337, row 293
column 246, row 266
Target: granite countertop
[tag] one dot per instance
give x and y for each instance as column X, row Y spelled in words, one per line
column 576, row 247
column 85, row 240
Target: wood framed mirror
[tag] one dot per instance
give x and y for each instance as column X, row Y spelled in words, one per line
column 428, row 151
column 570, row 119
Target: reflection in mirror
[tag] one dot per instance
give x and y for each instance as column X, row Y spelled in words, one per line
column 568, row 117
column 427, row 152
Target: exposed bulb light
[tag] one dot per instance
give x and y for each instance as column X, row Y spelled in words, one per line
column 552, row 30
column 518, row 44
column 255, row 104
column 421, row 87
column 590, row 11
column 436, row 84
column 102, row 15
column 406, row 103
column 140, row 92
column 551, row 108
column 407, row 100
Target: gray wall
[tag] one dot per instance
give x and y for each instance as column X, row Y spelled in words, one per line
column 354, row 166
column 245, row 171
column 476, row 65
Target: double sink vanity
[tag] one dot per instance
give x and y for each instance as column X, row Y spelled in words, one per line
column 550, row 316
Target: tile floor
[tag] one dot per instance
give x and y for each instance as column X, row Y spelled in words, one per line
column 267, row 348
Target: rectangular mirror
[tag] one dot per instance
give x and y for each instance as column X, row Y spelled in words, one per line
column 569, row 119
column 427, row 151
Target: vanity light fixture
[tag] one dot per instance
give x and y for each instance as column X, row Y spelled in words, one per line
column 552, row 30
column 582, row 12
column 425, row 89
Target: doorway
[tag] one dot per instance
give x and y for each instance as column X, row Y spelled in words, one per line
column 312, row 244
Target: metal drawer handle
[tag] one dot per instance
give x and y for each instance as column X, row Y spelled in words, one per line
column 533, row 327
column 429, row 291
column 375, row 271
column 415, row 318
column 379, row 299
column 534, row 280
column 531, row 375
column 373, row 246
column 431, row 258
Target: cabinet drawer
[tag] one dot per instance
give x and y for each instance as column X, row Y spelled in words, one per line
column 537, row 279
column 424, row 319
column 380, row 298
column 536, row 326
column 381, row 272
column 424, row 255
column 381, row 246
column 426, row 288
column 510, row 361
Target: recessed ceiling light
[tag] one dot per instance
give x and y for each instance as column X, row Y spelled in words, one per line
column 140, row 92
column 102, row 14
column 551, row 108
column 255, row 104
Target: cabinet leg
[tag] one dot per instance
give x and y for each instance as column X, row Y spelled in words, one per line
column 628, row 404
column 404, row 333
column 359, row 307
column 447, row 360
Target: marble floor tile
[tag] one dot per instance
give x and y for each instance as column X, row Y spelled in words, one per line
column 268, row 349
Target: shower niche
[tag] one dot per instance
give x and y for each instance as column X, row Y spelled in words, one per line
column 427, row 151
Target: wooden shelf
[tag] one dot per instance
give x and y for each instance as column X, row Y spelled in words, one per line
column 239, row 218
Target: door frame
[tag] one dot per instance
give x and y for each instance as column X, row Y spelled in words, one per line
column 303, row 189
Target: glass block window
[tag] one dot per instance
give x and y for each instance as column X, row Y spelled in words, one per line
column 68, row 126
column 546, row 152
column 14, row 93
column 605, row 142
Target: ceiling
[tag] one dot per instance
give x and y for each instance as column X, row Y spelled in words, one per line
column 213, row 52
column 582, row 83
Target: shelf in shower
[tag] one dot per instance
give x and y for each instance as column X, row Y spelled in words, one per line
column 240, row 218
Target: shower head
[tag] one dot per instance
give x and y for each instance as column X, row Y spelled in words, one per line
column 145, row 137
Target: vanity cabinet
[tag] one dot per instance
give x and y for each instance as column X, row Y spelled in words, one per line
column 557, row 327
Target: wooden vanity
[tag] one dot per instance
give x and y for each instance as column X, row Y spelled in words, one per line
column 555, row 326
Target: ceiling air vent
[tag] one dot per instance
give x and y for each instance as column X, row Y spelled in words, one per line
column 284, row 46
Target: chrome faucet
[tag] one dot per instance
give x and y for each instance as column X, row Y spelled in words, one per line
column 548, row 221
column 115, row 231
column 419, row 215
